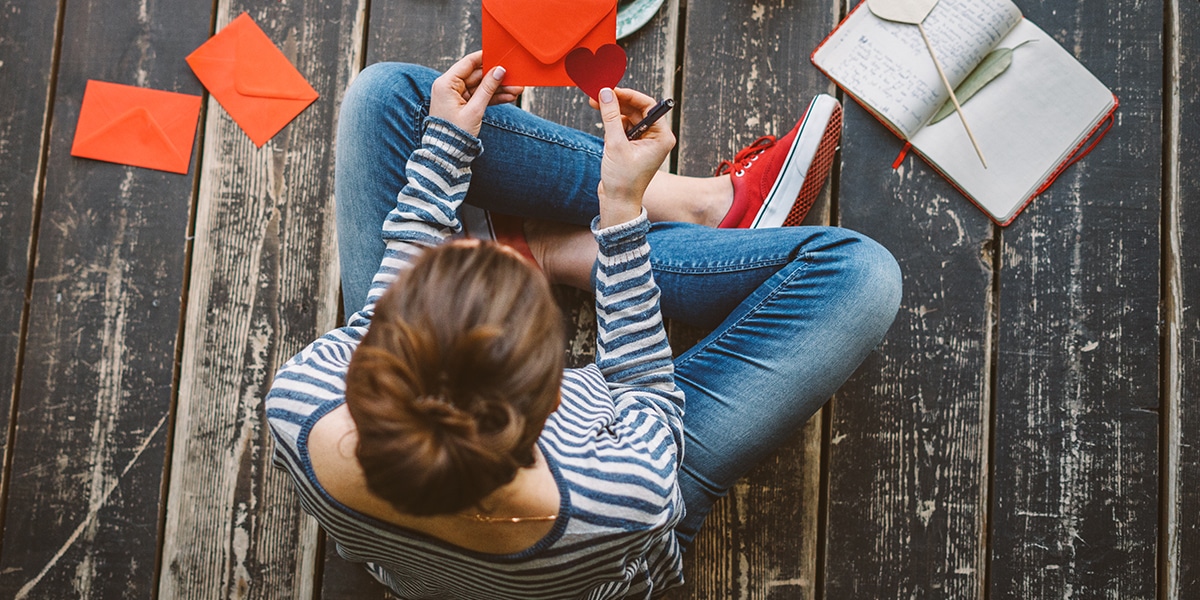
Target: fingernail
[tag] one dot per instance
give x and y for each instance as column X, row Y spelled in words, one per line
column 498, row 73
column 606, row 95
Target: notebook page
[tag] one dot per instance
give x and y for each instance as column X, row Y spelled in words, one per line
column 887, row 67
column 1027, row 121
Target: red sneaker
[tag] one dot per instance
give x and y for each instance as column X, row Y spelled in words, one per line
column 775, row 182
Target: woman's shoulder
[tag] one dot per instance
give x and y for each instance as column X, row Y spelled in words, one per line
column 310, row 384
column 336, row 472
column 318, row 371
column 330, row 446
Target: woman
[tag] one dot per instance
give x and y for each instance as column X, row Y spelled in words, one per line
column 437, row 438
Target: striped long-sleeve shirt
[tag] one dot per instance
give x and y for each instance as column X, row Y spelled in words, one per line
column 613, row 445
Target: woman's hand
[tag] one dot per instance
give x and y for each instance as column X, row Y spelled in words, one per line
column 461, row 94
column 628, row 166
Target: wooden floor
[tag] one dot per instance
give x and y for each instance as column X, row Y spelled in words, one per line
column 1030, row 427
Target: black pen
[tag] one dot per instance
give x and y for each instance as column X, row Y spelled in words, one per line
column 655, row 114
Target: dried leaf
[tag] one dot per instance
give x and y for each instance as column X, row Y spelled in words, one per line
column 996, row 62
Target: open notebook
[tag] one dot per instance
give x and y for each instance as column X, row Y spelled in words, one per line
column 1031, row 122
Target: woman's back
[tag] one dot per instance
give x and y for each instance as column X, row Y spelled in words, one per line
column 614, row 467
column 534, row 492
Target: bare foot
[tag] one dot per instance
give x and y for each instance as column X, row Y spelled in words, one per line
column 565, row 252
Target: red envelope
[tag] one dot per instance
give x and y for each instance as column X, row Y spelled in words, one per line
column 252, row 79
column 136, row 126
column 530, row 38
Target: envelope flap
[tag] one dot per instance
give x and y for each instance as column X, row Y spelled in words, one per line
column 134, row 131
column 260, row 69
column 549, row 29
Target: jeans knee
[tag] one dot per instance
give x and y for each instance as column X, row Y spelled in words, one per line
column 384, row 87
column 872, row 275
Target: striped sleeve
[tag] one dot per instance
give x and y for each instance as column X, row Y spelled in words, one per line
column 426, row 210
column 632, row 348
column 313, row 380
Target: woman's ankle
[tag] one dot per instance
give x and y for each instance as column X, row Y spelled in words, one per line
column 719, row 200
column 699, row 200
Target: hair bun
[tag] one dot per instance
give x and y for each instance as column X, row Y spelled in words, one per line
column 439, row 413
column 451, row 385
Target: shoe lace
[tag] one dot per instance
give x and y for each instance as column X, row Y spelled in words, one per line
column 746, row 156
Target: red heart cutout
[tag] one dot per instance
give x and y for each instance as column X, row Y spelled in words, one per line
column 593, row 72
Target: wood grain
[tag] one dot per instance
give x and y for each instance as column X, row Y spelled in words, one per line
column 28, row 38
column 746, row 74
column 425, row 32
column 265, row 284
column 344, row 580
column 84, row 505
column 1182, row 554
column 435, row 34
column 760, row 540
column 1075, row 510
column 907, row 490
column 1068, row 332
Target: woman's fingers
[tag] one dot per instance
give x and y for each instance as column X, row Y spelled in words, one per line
column 625, row 95
column 506, row 94
column 463, row 92
column 634, row 104
column 486, row 89
column 465, row 65
column 611, row 115
column 474, row 78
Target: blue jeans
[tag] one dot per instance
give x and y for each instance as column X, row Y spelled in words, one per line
column 793, row 310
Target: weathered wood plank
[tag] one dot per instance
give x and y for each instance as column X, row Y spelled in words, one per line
column 745, row 74
column 1183, row 313
column 344, row 580
column 760, row 540
column 84, row 506
column 435, row 35
column 908, row 441
column 1075, row 502
column 264, row 285
column 28, row 38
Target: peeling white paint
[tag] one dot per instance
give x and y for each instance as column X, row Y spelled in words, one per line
column 90, row 518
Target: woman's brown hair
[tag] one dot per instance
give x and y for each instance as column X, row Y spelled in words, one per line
column 453, row 382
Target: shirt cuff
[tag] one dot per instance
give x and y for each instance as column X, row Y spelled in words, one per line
column 450, row 140
column 623, row 238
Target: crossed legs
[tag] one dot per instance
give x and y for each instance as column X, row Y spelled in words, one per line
column 793, row 311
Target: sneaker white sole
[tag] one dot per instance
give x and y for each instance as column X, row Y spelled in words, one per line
column 779, row 201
